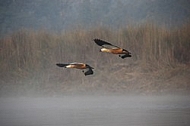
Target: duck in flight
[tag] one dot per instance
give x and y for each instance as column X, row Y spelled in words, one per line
column 86, row 69
column 110, row 48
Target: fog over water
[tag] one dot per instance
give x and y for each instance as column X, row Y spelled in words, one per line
column 168, row 110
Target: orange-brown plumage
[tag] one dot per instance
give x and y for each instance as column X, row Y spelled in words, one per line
column 112, row 48
column 78, row 66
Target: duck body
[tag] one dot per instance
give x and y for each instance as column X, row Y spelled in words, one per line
column 86, row 69
column 110, row 48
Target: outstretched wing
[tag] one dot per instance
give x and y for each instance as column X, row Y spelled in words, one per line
column 88, row 66
column 126, row 55
column 103, row 43
column 62, row 65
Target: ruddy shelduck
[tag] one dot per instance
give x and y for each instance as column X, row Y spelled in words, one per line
column 110, row 48
column 86, row 69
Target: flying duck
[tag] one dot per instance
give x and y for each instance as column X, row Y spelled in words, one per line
column 86, row 69
column 109, row 48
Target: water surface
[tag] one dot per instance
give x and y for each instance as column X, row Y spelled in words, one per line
column 167, row 110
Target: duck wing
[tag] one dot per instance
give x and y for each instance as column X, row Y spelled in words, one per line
column 126, row 55
column 104, row 43
column 62, row 64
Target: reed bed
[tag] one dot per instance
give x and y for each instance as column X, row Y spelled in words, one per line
column 33, row 54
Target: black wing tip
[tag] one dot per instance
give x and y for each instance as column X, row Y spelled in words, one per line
column 58, row 64
column 101, row 42
column 125, row 56
column 61, row 64
column 98, row 42
column 89, row 66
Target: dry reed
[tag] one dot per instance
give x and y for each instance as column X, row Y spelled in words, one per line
column 29, row 53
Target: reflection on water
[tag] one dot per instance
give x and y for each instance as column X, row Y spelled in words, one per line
column 96, row 111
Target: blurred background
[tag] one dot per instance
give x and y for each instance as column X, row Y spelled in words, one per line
column 37, row 34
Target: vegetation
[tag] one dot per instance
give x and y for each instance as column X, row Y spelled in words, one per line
column 28, row 59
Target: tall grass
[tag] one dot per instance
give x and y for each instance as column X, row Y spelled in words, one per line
column 26, row 52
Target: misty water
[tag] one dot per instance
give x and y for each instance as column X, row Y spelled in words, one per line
column 168, row 110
